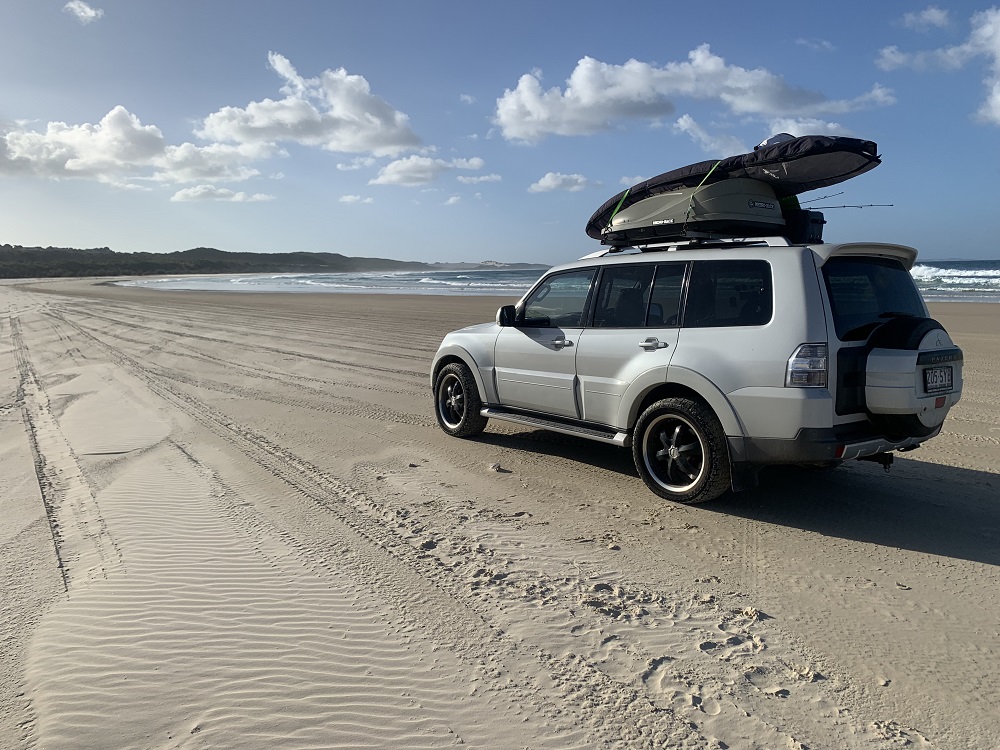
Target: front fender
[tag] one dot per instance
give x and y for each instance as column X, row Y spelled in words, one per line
column 484, row 384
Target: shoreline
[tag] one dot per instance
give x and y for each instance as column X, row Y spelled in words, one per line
column 971, row 316
column 360, row 283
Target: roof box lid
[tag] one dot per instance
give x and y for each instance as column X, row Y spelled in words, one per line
column 791, row 166
column 737, row 207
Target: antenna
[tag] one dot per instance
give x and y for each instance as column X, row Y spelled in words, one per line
column 863, row 205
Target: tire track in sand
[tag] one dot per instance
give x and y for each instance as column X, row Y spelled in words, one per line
column 216, row 639
column 84, row 548
column 577, row 701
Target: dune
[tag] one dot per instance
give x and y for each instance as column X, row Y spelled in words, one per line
column 230, row 521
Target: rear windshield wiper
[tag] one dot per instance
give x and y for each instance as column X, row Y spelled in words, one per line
column 861, row 332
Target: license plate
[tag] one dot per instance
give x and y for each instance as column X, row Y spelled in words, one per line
column 938, row 379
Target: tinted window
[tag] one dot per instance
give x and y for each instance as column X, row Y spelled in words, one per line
column 863, row 289
column 665, row 302
column 729, row 293
column 560, row 300
column 623, row 296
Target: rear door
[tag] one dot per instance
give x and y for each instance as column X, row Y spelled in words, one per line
column 864, row 292
column 634, row 331
column 536, row 358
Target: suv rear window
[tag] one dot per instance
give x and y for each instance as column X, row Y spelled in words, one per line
column 865, row 292
column 729, row 293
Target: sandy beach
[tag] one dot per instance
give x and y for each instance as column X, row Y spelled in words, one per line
column 230, row 521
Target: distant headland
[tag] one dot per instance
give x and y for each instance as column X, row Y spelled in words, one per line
column 17, row 262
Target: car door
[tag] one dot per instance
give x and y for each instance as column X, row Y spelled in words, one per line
column 633, row 334
column 535, row 359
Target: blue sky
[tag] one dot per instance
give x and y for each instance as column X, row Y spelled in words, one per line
column 448, row 131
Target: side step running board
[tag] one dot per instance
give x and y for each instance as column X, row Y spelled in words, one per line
column 621, row 439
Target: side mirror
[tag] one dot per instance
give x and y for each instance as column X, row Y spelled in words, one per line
column 506, row 315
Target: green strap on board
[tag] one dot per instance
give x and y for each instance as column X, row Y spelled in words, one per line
column 618, row 208
column 691, row 201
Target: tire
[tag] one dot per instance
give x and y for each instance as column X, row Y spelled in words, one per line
column 457, row 402
column 902, row 333
column 680, row 451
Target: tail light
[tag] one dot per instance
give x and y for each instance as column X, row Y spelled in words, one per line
column 807, row 367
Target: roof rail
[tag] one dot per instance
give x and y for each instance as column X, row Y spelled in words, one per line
column 705, row 242
column 695, row 243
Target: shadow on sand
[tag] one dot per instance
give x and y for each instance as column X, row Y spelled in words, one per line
column 938, row 510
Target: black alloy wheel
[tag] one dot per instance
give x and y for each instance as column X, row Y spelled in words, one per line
column 680, row 451
column 457, row 402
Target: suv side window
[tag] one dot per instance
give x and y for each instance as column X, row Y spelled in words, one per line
column 623, row 296
column 729, row 293
column 559, row 301
column 665, row 303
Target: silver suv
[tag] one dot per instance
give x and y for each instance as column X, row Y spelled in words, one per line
column 713, row 360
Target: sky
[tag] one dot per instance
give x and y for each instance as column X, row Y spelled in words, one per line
column 463, row 131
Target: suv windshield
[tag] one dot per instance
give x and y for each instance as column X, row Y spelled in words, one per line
column 864, row 292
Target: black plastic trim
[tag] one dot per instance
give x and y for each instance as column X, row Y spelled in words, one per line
column 542, row 419
column 810, row 445
column 941, row 357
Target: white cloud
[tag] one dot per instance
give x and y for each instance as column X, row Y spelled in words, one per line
column 335, row 111
column 983, row 42
column 946, row 58
column 420, row 170
column 212, row 193
column 557, row 181
column 598, row 95
column 930, row 17
column 355, row 199
column 806, row 126
column 819, row 45
column 216, row 162
column 466, row 180
column 360, row 162
column 467, row 99
column 716, row 145
column 84, row 13
column 106, row 149
column 119, row 149
column 630, row 181
column 452, row 200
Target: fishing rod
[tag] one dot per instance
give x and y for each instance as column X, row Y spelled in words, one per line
column 863, row 205
column 834, row 195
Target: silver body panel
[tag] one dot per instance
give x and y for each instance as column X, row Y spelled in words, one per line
column 600, row 376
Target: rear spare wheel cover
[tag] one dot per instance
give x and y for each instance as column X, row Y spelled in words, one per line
column 894, row 397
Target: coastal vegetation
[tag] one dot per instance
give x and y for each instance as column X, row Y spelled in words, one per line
column 17, row 262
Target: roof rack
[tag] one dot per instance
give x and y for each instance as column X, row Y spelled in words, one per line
column 694, row 243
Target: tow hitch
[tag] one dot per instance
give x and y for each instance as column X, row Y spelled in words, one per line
column 885, row 459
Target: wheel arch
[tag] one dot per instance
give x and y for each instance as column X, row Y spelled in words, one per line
column 684, row 383
column 453, row 353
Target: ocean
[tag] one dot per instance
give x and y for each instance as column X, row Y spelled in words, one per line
column 958, row 280
column 938, row 281
column 501, row 282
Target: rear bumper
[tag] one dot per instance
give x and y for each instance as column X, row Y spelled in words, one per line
column 813, row 445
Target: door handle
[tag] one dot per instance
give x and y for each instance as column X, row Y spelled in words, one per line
column 653, row 343
column 560, row 343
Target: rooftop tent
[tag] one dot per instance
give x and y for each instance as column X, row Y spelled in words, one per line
column 788, row 165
